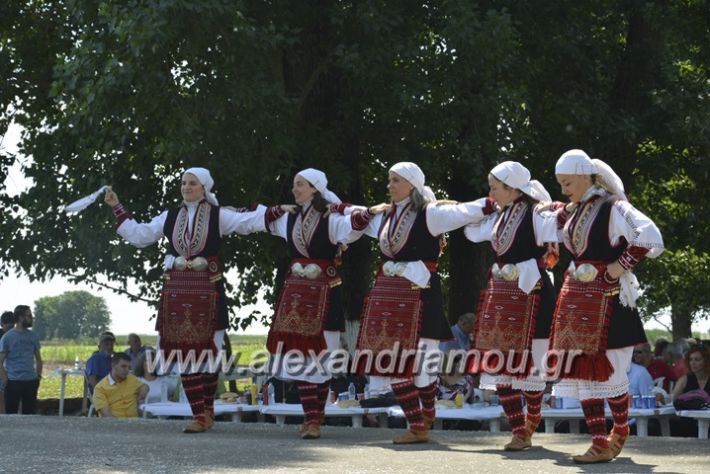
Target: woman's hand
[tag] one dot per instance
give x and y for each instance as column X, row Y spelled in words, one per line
column 570, row 206
column 614, row 270
column 111, row 198
column 290, row 208
column 379, row 208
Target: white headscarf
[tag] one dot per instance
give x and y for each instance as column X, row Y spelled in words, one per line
column 517, row 176
column 577, row 162
column 319, row 181
column 414, row 174
column 205, row 179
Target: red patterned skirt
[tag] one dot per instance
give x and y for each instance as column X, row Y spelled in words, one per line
column 302, row 310
column 390, row 325
column 505, row 327
column 578, row 338
column 188, row 312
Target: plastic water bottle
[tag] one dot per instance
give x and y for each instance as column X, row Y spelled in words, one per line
column 271, row 394
column 366, row 392
column 77, row 363
column 351, row 391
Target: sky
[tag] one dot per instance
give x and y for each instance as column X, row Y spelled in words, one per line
column 126, row 317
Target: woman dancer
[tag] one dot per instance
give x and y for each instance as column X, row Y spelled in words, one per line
column 309, row 313
column 192, row 316
column 596, row 323
column 515, row 312
column 403, row 312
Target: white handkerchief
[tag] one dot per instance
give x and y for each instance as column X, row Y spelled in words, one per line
column 629, row 289
column 417, row 273
column 528, row 275
column 81, row 204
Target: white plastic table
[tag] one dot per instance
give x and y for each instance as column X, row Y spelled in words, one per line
column 164, row 409
column 281, row 410
column 476, row 411
column 63, row 373
column 642, row 415
column 703, row 417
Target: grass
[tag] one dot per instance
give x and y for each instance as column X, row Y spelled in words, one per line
column 62, row 354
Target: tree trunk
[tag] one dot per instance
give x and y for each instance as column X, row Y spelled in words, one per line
column 468, row 270
column 681, row 321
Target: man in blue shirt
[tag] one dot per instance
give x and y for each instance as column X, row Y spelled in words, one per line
column 7, row 322
column 99, row 364
column 462, row 334
column 20, row 364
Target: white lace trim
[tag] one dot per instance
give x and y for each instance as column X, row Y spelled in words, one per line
column 488, row 382
column 585, row 389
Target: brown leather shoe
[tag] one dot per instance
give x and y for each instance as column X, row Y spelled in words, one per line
column 616, row 443
column 412, row 437
column 195, row 427
column 518, row 443
column 428, row 422
column 531, row 426
column 209, row 420
column 594, row 455
column 310, row 431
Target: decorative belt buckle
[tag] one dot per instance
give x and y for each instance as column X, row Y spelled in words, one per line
column 180, row 263
column 199, row 264
column 312, row 271
column 510, row 272
column 586, row 272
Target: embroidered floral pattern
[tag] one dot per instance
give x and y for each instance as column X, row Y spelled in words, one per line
column 395, row 231
column 506, row 227
column 303, row 230
column 189, row 244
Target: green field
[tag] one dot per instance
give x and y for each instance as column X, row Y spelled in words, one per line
column 62, row 354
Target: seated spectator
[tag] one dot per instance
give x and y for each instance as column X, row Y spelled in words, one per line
column 659, row 347
column 640, row 381
column 99, row 364
column 698, row 362
column 146, row 371
column 118, row 394
column 135, row 349
column 7, row 322
column 674, row 355
column 656, row 367
column 462, row 333
column 692, row 387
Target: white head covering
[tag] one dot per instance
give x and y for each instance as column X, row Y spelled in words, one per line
column 517, row 176
column 414, row 174
column 319, row 181
column 204, row 177
column 577, row 162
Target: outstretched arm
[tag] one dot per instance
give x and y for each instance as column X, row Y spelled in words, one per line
column 137, row 234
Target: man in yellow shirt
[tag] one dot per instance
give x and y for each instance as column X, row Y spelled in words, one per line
column 117, row 395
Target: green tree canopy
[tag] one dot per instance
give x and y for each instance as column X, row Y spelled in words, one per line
column 71, row 315
column 130, row 93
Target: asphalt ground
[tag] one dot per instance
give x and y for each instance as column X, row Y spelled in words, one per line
column 92, row 445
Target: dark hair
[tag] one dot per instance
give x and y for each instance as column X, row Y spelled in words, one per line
column 139, row 369
column 20, row 311
column 319, row 203
column 660, row 346
column 703, row 350
column 119, row 356
column 8, row 317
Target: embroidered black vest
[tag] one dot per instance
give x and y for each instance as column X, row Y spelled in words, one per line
column 586, row 232
column 204, row 241
column 408, row 238
column 309, row 238
column 514, row 239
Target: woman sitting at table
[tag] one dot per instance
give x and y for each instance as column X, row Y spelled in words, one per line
column 692, row 388
column 146, row 371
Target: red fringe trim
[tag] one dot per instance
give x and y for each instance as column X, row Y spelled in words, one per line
column 476, row 365
column 595, row 367
column 293, row 341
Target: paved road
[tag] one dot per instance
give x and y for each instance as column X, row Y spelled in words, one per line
column 72, row 444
